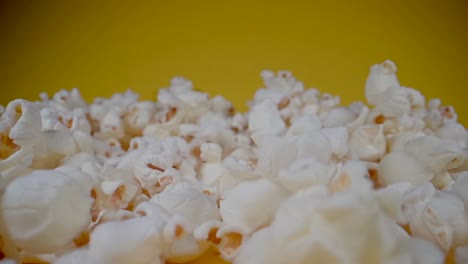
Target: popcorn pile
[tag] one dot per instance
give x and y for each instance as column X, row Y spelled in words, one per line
column 297, row 179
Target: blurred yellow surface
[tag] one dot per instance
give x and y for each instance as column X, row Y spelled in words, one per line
column 103, row 47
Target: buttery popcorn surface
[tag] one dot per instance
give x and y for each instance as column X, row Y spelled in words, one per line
column 297, row 179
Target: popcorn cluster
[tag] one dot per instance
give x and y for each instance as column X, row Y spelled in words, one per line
column 297, row 179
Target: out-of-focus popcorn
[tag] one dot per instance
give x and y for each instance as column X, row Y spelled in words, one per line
column 45, row 210
column 297, row 179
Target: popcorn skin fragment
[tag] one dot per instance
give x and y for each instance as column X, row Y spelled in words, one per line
column 35, row 207
column 251, row 205
column 381, row 77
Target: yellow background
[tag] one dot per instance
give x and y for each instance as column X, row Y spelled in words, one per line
column 103, row 47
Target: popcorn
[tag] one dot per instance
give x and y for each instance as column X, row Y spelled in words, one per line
column 251, row 205
column 381, row 77
column 35, row 207
column 184, row 200
column 137, row 240
column 265, row 120
column 297, row 179
column 339, row 116
column 368, row 143
column 304, row 173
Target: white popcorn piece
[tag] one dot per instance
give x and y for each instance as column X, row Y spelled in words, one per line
column 26, row 129
column 211, row 152
column 439, row 219
column 138, row 117
column 404, row 167
column 304, row 173
column 221, row 105
column 461, row 254
column 35, row 207
column 138, row 240
column 338, row 117
column 194, row 206
column 264, row 119
column 394, row 102
column 417, row 251
column 304, row 124
column 398, row 141
column 368, row 143
column 218, row 178
column 454, row 132
column 120, row 192
column 284, row 81
column 381, row 77
column 338, row 139
column 251, row 205
column 183, row 199
column 439, row 155
column 460, row 186
column 112, row 126
column 78, row 256
column 314, row 226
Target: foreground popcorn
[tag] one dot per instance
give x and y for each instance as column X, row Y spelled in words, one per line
column 298, row 179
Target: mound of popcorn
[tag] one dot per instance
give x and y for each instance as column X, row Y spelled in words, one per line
column 297, row 179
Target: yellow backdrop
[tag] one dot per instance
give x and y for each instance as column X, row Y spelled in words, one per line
column 103, row 47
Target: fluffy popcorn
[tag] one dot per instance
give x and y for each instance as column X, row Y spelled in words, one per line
column 265, row 120
column 306, row 172
column 298, row 178
column 194, row 206
column 368, row 143
column 339, row 116
column 138, row 240
column 35, row 207
column 381, row 77
column 210, row 152
column 251, row 205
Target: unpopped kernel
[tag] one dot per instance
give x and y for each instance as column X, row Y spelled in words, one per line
column 299, row 178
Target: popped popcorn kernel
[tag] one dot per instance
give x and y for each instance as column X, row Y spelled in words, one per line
column 299, row 178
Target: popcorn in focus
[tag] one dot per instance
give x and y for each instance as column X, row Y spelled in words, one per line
column 299, row 178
